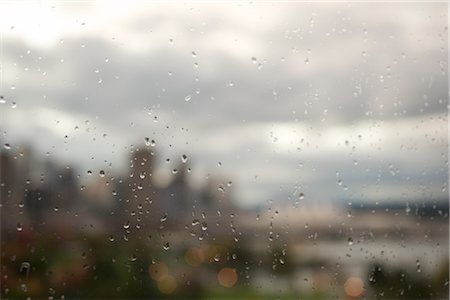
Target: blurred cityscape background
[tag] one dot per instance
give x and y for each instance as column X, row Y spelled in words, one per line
column 122, row 236
column 211, row 150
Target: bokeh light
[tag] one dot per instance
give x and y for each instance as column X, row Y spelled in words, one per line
column 354, row 287
column 158, row 271
column 227, row 277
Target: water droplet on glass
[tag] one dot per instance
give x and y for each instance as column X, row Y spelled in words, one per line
column 301, row 196
column 187, row 98
column 89, row 172
column 350, row 241
column 25, row 268
column 102, row 173
column 126, row 225
column 164, row 218
column 204, row 226
column 7, row 146
column 184, row 158
column 147, row 141
column 19, row 227
column 194, row 54
column 13, row 87
column 195, row 222
column 217, row 257
column 166, row 246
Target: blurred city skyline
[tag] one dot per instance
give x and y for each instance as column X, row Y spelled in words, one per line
column 282, row 99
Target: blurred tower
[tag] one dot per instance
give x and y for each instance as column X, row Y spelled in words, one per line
column 178, row 202
column 141, row 210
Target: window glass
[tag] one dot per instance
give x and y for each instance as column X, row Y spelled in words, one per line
column 250, row 150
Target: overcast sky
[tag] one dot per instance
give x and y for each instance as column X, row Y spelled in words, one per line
column 340, row 101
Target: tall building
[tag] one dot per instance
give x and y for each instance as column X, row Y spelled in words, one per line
column 141, row 210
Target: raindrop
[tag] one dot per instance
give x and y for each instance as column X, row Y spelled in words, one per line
column 350, row 241
column 25, row 268
column 147, row 141
column 89, row 172
column 102, row 173
column 111, row 238
column 187, row 98
column 13, row 87
column 195, row 222
column 19, row 227
column 166, row 246
column 204, row 226
column 281, row 260
column 126, row 225
column 152, row 143
column 230, row 183
column 7, row 146
column 184, row 158
column 301, row 196
column 194, row 54
column 217, row 257
column 174, row 171
column 164, row 218
column 254, row 60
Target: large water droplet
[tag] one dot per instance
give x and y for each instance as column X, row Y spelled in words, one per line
column 350, row 241
column 126, row 225
column 184, row 158
column 166, row 246
column 204, row 226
